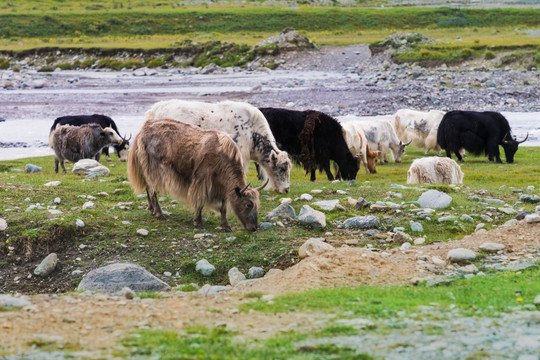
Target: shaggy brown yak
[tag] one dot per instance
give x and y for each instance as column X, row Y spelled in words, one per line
column 201, row 167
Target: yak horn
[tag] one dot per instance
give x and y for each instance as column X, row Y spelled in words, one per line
column 504, row 141
column 263, row 185
column 410, row 141
column 526, row 137
column 130, row 134
column 244, row 189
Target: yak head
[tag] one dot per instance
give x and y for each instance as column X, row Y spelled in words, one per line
column 401, row 151
column 245, row 205
column 110, row 136
column 350, row 167
column 371, row 157
column 122, row 148
column 510, row 146
column 281, row 171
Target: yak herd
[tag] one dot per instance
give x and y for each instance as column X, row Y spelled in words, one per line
column 200, row 152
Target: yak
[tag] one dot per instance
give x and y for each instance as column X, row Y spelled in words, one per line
column 201, row 167
column 477, row 132
column 434, row 170
column 74, row 143
column 312, row 138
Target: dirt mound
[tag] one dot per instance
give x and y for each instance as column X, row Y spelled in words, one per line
column 287, row 40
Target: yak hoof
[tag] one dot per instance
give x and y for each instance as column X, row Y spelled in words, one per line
column 160, row 216
column 228, row 230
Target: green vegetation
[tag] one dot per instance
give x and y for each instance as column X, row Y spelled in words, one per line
column 475, row 296
column 218, row 343
column 171, row 245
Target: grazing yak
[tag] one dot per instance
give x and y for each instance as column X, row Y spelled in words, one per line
column 477, row 132
column 244, row 123
column 201, row 167
column 74, row 143
column 313, row 139
column 418, row 127
column 434, row 170
column 101, row 120
column 357, row 142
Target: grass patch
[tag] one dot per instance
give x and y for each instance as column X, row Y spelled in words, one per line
column 473, row 296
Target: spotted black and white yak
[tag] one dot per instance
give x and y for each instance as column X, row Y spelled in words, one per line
column 244, row 123
column 312, row 138
column 477, row 132
column 434, row 170
column 418, row 127
column 357, row 142
column 74, row 143
column 101, row 120
column 381, row 137
column 201, row 167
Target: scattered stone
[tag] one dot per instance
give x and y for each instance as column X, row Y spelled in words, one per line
column 519, row 265
column 13, row 302
column 55, row 212
column 255, row 272
column 306, row 197
column 31, row 168
column 438, row 261
column 235, row 276
column 88, row 205
column 213, row 290
column 286, row 200
column 419, row 241
column 532, row 218
column 471, row 268
column 79, row 223
column 491, row 247
column 537, row 301
column 316, row 191
column 52, row 183
column 204, row 267
column 438, row 282
column 283, row 211
column 532, row 199
column 509, row 223
column 57, row 200
column 311, row 217
column 486, row 218
column 405, row 246
column 286, row 40
column 47, row 265
column 313, row 246
column 461, row 255
column 521, row 215
column 142, row 232
column 3, row 224
column 434, row 199
column 466, row 218
column 417, row 227
column 90, row 166
column 363, row 222
column 448, row 218
column 113, row 278
column 266, row 225
column 327, row 205
column 362, row 203
column 128, row 293
column 401, row 237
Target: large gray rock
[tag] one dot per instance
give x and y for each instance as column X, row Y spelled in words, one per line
column 288, row 39
column 31, row 168
column 283, row 211
column 204, row 267
column 460, row 255
column 327, row 205
column 113, row 278
column 90, row 166
column 532, row 199
column 235, row 276
column 313, row 246
column 519, row 265
column 434, row 199
column 47, row 265
column 255, row 272
column 363, row 222
column 492, row 247
column 11, row 301
column 311, row 217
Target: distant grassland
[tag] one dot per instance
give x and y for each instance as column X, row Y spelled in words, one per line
column 235, row 19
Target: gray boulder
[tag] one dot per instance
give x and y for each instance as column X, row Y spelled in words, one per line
column 14, row 302
column 204, row 267
column 461, row 255
column 235, row 276
column 47, row 265
column 363, row 222
column 255, row 272
column 532, row 199
column 287, row 40
column 492, row 247
column 213, row 290
column 311, row 217
column 519, row 265
column 434, row 199
column 113, row 278
column 327, row 205
column 90, row 166
column 31, row 168
column 283, row 211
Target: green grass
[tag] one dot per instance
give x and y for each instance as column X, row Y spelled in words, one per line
column 218, row 343
column 171, row 245
column 480, row 296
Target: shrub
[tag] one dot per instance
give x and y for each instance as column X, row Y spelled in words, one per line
column 4, row 63
column 466, row 53
column 489, row 55
column 46, row 69
column 154, row 63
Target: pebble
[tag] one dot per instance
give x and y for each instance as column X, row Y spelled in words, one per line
column 466, row 218
column 47, row 265
column 306, row 197
column 57, row 200
column 311, row 217
column 417, row 227
column 419, row 241
column 88, row 205
column 79, row 223
column 142, row 232
column 52, row 183
column 3, row 224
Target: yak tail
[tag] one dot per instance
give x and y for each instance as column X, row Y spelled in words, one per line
column 134, row 169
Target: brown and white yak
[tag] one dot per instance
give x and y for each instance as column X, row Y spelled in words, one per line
column 244, row 123
column 201, row 167
column 418, row 127
column 74, row 143
column 358, row 144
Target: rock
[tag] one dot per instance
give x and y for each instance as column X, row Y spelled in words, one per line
column 537, row 300
column 460, row 255
column 213, row 290
column 466, row 218
column 401, row 237
column 532, row 218
column 519, row 265
column 311, row 217
column 57, row 200
column 142, row 232
column 434, row 199
column 362, row 203
column 90, row 166
column 405, row 246
column 437, row 282
column 55, row 212
column 417, row 227
column 88, row 205
column 255, row 272
column 448, row 218
column 507, row 210
column 3, row 224
column 438, row 261
column 532, row 199
column 306, row 197
column 287, row 40
column 79, row 223
column 286, row 200
column 363, row 222
column 210, row 68
column 509, row 223
column 127, row 293
column 31, row 168
column 235, row 276
column 47, row 265
column 273, row 272
column 204, row 267
column 52, row 183
column 521, row 215
column 38, row 83
column 265, row 225
column 113, row 278
column 419, row 241
column 283, row 211
column 13, row 302
column 313, row 246
column 491, row 247
column 327, row 205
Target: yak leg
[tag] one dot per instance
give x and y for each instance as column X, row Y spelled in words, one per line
column 153, row 204
column 458, row 155
column 106, row 153
column 448, row 153
column 63, row 168
column 224, row 223
column 493, row 151
column 328, row 171
column 56, row 165
column 312, row 178
column 259, row 172
column 197, row 221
